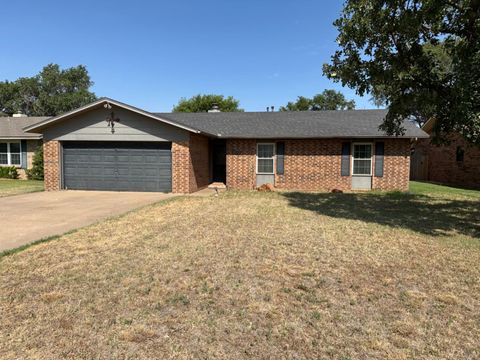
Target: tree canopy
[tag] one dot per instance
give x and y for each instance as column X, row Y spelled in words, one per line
column 51, row 92
column 203, row 103
column 421, row 58
column 327, row 100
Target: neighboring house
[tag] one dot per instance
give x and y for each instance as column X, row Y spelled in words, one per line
column 17, row 146
column 184, row 152
column 457, row 163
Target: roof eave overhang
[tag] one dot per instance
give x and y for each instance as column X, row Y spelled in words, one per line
column 325, row 137
column 429, row 124
column 29, row 137
column 50, row 121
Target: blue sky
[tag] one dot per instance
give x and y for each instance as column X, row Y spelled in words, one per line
column 151, row 53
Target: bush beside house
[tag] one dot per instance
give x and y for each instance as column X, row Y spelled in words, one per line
column 36, row 172
column 8, row 172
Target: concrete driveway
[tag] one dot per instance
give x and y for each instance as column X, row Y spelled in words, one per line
column 29, row 217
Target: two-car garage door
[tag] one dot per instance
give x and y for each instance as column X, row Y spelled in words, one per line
column 119, row 166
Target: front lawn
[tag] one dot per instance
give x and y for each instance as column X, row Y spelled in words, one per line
column 418, row 187
column 14, row 187
column 262, row 275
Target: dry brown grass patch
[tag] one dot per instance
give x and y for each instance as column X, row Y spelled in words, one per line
column 238, row 276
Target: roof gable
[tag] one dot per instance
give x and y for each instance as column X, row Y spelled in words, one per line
column 97, row 104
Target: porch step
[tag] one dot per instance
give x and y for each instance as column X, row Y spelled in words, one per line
column 217, row 186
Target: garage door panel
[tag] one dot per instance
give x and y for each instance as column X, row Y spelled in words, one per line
column 121, row 166
column 91, row 171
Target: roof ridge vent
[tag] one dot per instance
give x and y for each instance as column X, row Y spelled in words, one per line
column 215, row 108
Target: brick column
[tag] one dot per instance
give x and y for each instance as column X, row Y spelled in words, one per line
column 51, row 165
column 181, row 167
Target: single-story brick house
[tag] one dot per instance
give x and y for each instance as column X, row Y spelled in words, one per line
column 138, row 150
column 17, row 146
column 456, row 163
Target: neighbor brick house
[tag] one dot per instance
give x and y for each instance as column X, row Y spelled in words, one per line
column 17, row 146
column 456, row 163
column 108, row 145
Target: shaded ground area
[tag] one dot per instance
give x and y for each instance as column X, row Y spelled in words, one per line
column 246, row 275
column 427, row 209
column 15, row 187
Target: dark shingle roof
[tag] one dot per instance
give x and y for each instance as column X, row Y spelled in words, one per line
column 257, row 125
column 299, row 124
column 12, row 127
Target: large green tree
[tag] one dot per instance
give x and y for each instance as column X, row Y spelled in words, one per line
column 51, row 92
column 327, row 100
column 421, row 58
column 203, row 103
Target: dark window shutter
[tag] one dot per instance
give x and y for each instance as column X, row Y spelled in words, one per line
column 345, row 159
column 280, row 157
column 379, row 151
column 23, row 148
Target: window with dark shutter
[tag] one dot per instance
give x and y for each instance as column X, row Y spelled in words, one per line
column 265, row 158
column 10, row 153
column 280, row 157
column 362, row 159
column 379, row 152
column 345, row 166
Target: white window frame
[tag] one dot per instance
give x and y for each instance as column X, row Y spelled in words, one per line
column 9, row 153
column 371, row 158
column 268, row 158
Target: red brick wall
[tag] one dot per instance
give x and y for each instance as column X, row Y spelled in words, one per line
column 314, row 164
column 442, row 165
column 51, row 165
column 190, row 164
column 396, row 166
column 309, row 165
column 241, row 157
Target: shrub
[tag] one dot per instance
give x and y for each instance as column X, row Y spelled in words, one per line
column 8, row 172
column 36, row 172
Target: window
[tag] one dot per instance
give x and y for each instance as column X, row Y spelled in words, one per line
column 460, row 154
column 3, row 154
column 362, row 159
column 265, row 156
column 10, row 153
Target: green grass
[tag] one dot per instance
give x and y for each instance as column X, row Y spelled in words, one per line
column 15, row 187
column 442, row 190
column 9, row 252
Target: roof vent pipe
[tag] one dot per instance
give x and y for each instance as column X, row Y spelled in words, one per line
column 215, row 109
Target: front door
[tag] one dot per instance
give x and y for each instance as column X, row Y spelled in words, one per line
column 219, row 161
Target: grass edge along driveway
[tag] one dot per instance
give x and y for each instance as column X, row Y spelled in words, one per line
column 9, row 187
